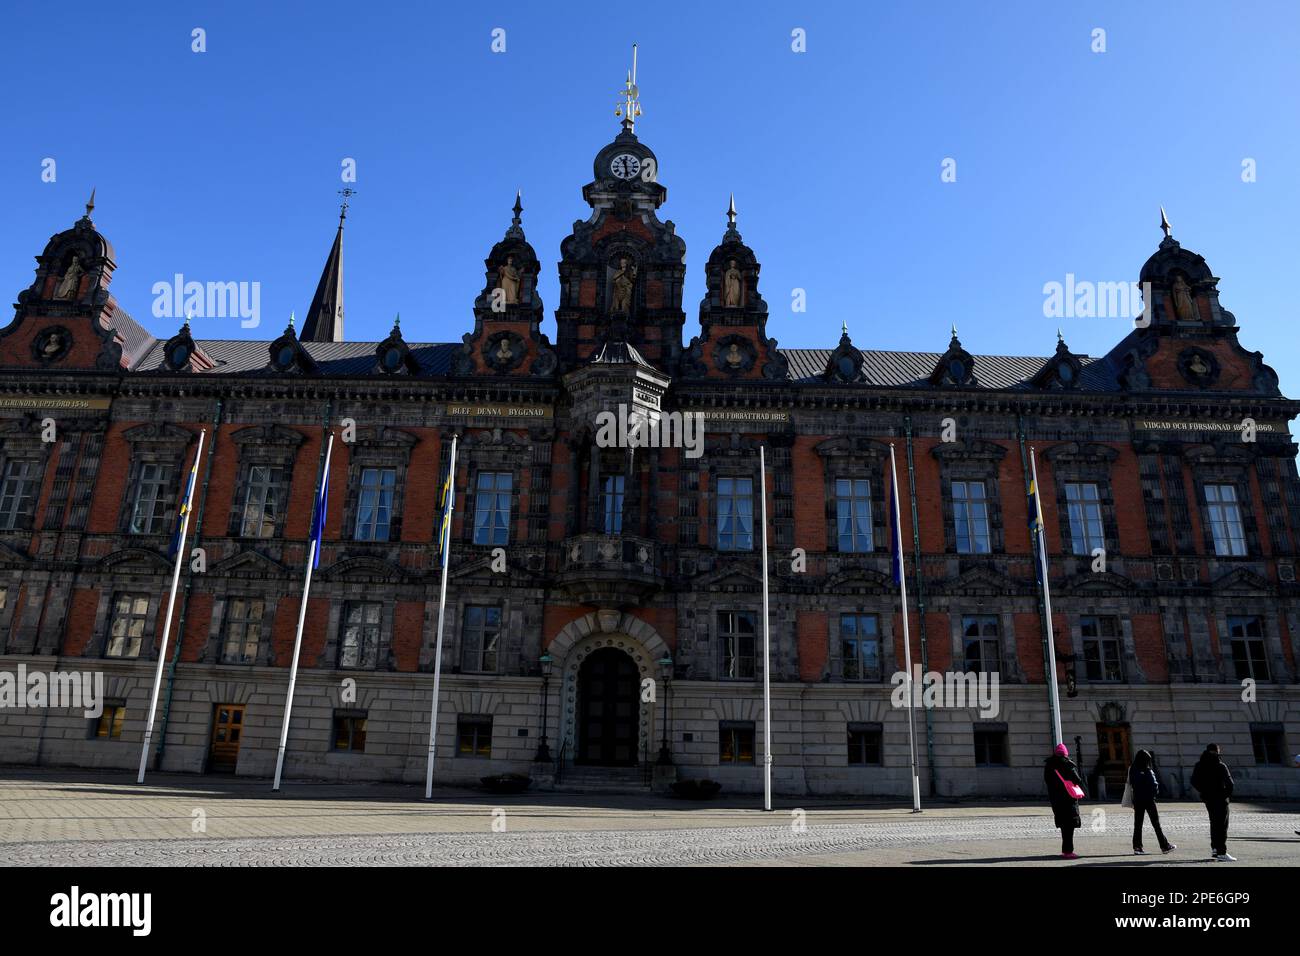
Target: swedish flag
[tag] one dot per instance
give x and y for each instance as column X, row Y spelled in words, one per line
column 184, row 509
column 1035, row 513
column 444, row 532
column 1035, row 526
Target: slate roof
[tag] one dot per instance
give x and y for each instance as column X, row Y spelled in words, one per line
column 1006, row 372
column 890, row 369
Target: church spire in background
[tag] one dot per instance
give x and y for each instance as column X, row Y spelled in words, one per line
column 324, row 319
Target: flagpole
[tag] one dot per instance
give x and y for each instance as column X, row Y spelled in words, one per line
column 767, row 650
column 171, row 605
column 442, row 608
column 321, row 502
column 907, row 638
column 1053, row 691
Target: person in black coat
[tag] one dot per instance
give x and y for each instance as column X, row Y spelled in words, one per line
column 1213, row 781
column 1145, row 785
column 1057, row 770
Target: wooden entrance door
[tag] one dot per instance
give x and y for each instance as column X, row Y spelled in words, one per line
column 227, row 729
column 607, row 709
column 1114, row 747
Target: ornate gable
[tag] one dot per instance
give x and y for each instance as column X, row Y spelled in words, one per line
column 733, row 342
column 67, row 319
column 507, row 337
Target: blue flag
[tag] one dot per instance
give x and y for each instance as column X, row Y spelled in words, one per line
column 184, row 509
column 318, row 515
column 895, row 531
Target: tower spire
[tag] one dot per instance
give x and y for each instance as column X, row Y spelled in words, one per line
column 324, row 319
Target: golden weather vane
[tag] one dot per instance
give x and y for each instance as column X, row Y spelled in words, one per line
column 629, row 106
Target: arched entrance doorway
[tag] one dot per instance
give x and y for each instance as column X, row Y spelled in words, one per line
column 608, row 709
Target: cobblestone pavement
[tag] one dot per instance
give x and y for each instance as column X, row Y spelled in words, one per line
column 106, row 820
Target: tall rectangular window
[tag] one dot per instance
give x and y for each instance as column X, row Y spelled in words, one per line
column 1225, row 520
column 492, row 507
column 262, row 501
column 736, row 641
column 736, row 741
column 1269, row 744
column 480, row 634
column 17, row 493
column 859, row 647
column 1249, row 657
column 243, row 630
column 1102, row 648
column 970, row 515
column 735, row 500
column 983, row 647
column 127, row 625
column 359, row 641
column 375, row 504
column 1083, row 504
column 611, row 503
column 473, row 736
column 853, row 514
column 148, row 508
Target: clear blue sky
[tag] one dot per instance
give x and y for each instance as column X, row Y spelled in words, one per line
column 224, row 165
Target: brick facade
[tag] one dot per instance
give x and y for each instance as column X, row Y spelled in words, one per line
column 1147, row 641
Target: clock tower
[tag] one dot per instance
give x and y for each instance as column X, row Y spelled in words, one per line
column 622, row 269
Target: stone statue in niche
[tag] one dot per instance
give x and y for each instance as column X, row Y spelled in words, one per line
column 1184, row 307
column 624, row 279
column 508, row 281
column 504, row 352
column 733, row 358
column 67, row 287
column 731, row 286
column 1198, row 367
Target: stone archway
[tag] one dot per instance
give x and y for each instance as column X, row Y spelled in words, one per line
column 593, row 632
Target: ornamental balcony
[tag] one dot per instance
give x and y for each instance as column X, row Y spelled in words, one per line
column 610, row 570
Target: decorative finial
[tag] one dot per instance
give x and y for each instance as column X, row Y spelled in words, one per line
column 630, row 106
column 1059, row 337
column 516, row 230
column 290, row 320
column 844, row 328
column 731, row 212
column 954, row 330
column 189, row 314
column 1164, row 224
column 397, row 321
column 90, row 203
column 347, row 192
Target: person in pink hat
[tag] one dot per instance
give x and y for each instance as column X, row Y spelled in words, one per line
column 1064, row 790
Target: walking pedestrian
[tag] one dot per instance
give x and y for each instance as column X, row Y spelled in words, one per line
column 1144, row 786
column 1064, row 790
column 1213, row 781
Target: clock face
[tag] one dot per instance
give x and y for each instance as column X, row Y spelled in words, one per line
column 625, row 166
